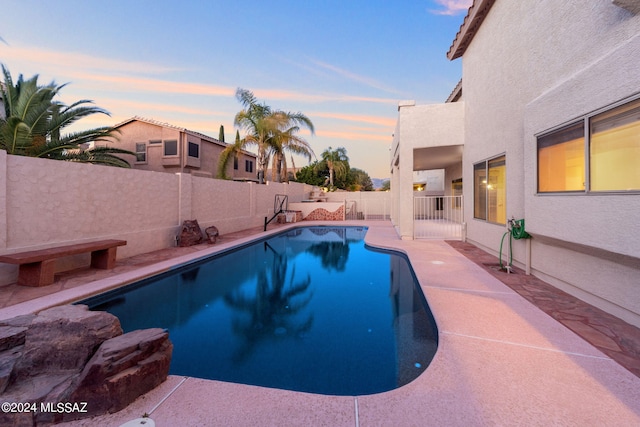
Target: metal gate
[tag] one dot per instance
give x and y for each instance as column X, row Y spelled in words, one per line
column 438, row 217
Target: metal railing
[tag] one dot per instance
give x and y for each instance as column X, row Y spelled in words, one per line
column 438, row 217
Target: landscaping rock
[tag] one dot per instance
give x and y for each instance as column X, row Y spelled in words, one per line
column 8, row 359
column 124, row 368
column 191, row 234
column 11, row 336
column 64, row 338
column 212, row 234
column 69, row 354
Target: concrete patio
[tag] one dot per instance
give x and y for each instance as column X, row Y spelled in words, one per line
column 501, row 359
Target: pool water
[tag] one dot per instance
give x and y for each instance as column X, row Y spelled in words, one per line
column 312, row 309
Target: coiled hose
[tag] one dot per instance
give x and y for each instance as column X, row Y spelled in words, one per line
column 515, row 231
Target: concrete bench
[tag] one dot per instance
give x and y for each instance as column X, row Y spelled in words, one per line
column 37, row 268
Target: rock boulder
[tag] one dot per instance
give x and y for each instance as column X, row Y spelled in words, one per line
column 70, row 354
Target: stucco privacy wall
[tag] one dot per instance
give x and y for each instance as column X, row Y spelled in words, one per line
column 532, row 66
column 45, row 203
column 370, row 203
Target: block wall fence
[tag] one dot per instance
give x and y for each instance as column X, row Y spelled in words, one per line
column 46, row 203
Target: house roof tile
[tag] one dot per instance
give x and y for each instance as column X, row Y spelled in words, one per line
column 475, row 15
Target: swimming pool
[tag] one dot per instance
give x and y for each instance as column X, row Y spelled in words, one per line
column 311, row 309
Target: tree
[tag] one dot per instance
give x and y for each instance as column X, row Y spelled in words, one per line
column 221, row 134
column 256, row 120
column 311, row 175
column 271, row 131
column 359, row 180
column 334, row 170
column 34, row 121
column 386, row 185
column 285, row 139
column 230, row 152
column 337, row 162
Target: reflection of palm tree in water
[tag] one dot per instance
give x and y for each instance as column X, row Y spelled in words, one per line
column 272, row 309
column 332, row 254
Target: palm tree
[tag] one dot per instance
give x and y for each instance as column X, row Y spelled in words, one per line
column 258, row 122
column 285, row 139
column 336, row 161
column 34, row 120
column 272, row 131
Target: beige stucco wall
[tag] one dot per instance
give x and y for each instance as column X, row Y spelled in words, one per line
column 419, row 126
column 46, row 203
column 372, row 204
column 532, row 66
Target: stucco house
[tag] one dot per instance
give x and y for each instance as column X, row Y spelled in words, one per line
column 545, row 127
column 163, row 147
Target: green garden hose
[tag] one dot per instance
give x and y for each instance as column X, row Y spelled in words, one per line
column 517, row 229
column 510, row 251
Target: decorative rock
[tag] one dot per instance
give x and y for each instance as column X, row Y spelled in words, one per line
column 191, row 234
column 212, row 234
column 64, row 338
column 8, row 360
column 123, row 369
column 11, row 336
column 71, row 354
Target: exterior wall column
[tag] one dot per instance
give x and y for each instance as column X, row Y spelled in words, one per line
column 405, row 192
column 185, row 193
column 405, row 170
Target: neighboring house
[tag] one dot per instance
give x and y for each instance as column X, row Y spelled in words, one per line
column 162, row 147
column 550, row 120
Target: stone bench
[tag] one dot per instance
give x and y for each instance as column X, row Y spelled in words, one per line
column 37, row 267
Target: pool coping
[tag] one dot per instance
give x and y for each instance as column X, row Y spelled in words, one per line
column 500, row 360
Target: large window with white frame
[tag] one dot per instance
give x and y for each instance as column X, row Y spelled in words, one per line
column 597, row 153
column 490, row 190
column 141, row 152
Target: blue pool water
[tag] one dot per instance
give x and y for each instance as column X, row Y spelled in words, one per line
column 312, row 309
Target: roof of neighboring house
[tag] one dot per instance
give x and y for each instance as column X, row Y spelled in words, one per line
column 475, row 15
column 181, row 129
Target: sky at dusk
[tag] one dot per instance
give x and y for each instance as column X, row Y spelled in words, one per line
column 345, row 64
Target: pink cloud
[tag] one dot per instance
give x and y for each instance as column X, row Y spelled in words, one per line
column 354, row 136
column 452, row 7
column 375, row 120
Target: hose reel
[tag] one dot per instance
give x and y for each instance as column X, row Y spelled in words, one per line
column 516, row 231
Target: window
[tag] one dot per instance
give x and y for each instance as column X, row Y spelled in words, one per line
column 171, row 148
column 561, row 160
column 235, row 162
column 490, row 190
column 248, row 165
column 194, row 150
column 614, row 149
column 141, row 152
column 612, row 142
column 480, row 190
